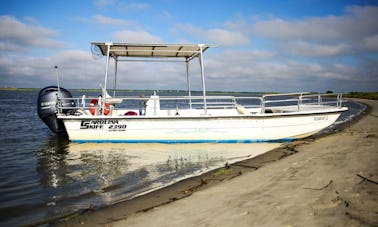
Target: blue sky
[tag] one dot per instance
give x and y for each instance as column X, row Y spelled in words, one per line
column 294, row 45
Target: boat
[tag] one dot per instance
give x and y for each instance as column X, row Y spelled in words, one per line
column 192, row 117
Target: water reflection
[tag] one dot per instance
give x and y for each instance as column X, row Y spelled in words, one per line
column 52, row 160
column 77, row 176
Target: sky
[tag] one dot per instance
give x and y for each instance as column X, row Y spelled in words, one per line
column 267, row 45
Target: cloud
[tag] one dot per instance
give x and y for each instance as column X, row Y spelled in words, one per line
column 227, row 70
column 356, row 23
column 120, row 5
column 78, row 69
column 311, row 54
column 108, row 21
column 253, row 70
column 137, row 6
column 353, row 32
column 219, row 36
column 129, row 36
column 225, row 37
column 302, row 48
column 371, row 43
column 75, row 68
column 102, row 3
column 16, row 35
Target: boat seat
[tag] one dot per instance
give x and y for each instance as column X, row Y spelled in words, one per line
column 268, row 111
column 110, row 99
column 113, row 101
column 242, row 110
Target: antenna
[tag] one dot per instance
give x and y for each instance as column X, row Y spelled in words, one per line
column 57, row 78
column 58, row 96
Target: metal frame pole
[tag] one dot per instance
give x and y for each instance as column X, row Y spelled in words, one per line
column 203, row 78
column 188, row 83
column 106, row 75
column 115, row 75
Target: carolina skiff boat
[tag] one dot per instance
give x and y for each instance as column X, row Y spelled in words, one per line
column 185, row 119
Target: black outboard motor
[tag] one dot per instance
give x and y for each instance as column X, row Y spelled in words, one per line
column 47, row 107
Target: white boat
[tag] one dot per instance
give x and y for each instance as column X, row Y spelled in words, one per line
column 182, row 119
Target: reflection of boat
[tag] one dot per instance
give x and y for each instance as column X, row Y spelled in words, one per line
column 186, row 118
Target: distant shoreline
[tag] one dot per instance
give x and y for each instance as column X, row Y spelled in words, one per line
column 135, row 90
column 17, row 89
column 353, row 94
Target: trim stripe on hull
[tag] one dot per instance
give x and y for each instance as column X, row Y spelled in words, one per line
column 184, row 141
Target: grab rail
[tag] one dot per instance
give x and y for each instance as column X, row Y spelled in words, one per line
column 273, row 101
column 304, row 99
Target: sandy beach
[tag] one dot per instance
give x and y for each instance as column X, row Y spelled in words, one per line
column 325, row 181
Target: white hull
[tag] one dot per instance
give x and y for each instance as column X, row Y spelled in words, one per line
column 196, row 129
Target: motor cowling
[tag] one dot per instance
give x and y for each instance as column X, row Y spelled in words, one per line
column 47, row 107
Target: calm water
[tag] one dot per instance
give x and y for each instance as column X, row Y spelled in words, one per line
column 43, row 175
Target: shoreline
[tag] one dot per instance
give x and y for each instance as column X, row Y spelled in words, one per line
column 160, row 203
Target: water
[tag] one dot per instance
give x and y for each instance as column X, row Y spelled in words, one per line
column 43, row 175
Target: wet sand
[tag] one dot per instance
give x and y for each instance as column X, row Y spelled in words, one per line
column 326, row 181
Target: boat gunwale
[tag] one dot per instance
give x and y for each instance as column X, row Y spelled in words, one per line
column 176, row 117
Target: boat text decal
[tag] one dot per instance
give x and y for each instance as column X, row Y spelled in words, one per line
column 111, row 125
column 321, row 118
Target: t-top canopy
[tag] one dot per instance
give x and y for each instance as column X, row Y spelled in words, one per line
column 150, row 50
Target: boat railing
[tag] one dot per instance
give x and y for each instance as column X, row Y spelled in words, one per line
column 165, row 102
column 298, row 102
column 302, row 100
column 328, row 99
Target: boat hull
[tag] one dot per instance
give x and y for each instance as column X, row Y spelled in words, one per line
column 139, row 129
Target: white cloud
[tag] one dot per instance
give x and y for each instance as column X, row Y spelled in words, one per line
column 354, row 32
column 100, row 19
column 313, row 29
column 225, row 37
column 137, row 6
column 225, row 70
column 312, row 54
column 121, row 5
column 253, row 71
column 301, row 48
column 129, row 36
column 215, row 35
column 76, row 68
column 249, row 55
column 16, row 35
column 102, row 3
column 356, row 23
column 371, row 43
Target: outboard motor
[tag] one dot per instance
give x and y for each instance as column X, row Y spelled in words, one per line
column 47, row 107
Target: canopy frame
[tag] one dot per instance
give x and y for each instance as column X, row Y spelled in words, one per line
column 155, row 53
